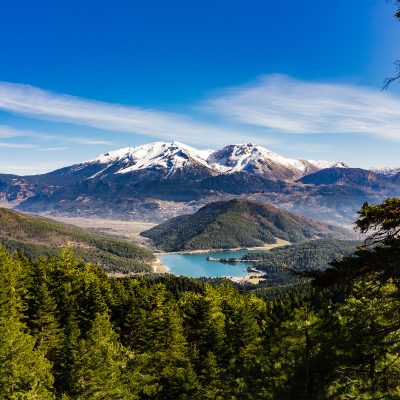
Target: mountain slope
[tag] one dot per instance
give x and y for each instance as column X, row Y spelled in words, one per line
column 387, row 172
column 157, row 181
column 156, row 160
column 314, row 254
column 235, row 223
column 174, row 160
column 258, row 161
column 37, row 236
column 171, row 160
column 322, row 164
column 343, row 176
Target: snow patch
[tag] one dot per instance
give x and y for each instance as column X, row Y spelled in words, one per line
column 172, row 156
column 322, row 164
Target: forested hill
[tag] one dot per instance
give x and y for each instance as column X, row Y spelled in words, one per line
column 37, row 236
column 314, row 254
column 68, row 331
column 236, row 223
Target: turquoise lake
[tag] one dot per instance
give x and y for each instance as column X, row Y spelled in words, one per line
column 196, row 265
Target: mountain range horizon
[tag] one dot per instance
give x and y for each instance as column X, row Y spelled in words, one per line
column 160, row 180
column 209, row 154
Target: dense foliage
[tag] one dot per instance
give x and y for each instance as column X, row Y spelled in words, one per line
column 68, row 331
column 36, row 236
column 314, row 254
column 235, row 223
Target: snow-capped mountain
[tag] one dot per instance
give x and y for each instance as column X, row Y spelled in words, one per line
column 159, row 180
column 167, row 156
column 259, row 161
column 156, row 160
column 387, row 171
column 168, row 160
column 323, row 164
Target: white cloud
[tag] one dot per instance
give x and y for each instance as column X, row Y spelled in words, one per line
column 52, row 148
column 18, row 145
column 10, row 132
column 90, row 141
column 286, row 105
column 273, row 104
column 7, row 132
column 24, row 169
column 32, row 101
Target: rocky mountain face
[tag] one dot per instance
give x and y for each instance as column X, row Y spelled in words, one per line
column 257, row 160
column 161, row 180
column 346, row 176
column 388, row 172
column 176, row 160
column 151, row 161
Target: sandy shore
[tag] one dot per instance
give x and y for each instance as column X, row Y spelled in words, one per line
column 278, row 243
column 159, row 268
column 253, row 277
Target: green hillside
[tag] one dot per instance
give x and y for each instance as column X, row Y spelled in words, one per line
column 314, row 254
column 236, row 223
column 37, row 236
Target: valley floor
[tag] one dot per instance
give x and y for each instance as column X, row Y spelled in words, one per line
column 132, row 230
column 129, row 229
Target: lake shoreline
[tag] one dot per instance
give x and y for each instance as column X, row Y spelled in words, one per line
column 266, row 247
column 245, row 276
column 160, row 268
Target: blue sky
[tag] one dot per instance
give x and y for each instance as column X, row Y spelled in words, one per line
column 301, row 78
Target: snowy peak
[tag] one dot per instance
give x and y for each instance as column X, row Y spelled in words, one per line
column 387, row 171
column 153, row 154
column 167, row 159
column 323, row 164
column 234, row 157
column 258, row 160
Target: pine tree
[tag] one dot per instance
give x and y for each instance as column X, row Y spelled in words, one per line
column 24, row 371
column 44, row 323
column 100, row 361
column 367, row 343
column 163, row 359
column 11, row 285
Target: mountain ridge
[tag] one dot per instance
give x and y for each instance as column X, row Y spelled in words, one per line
column 168, row 159
column 154, row 182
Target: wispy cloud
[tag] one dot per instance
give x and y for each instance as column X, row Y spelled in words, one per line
column 287, row 105
column 90, row 141
column 32, row 101
column 52, row 148
column 11, row 132
column 18, row 145
column 256, row 112
column 7, row 132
